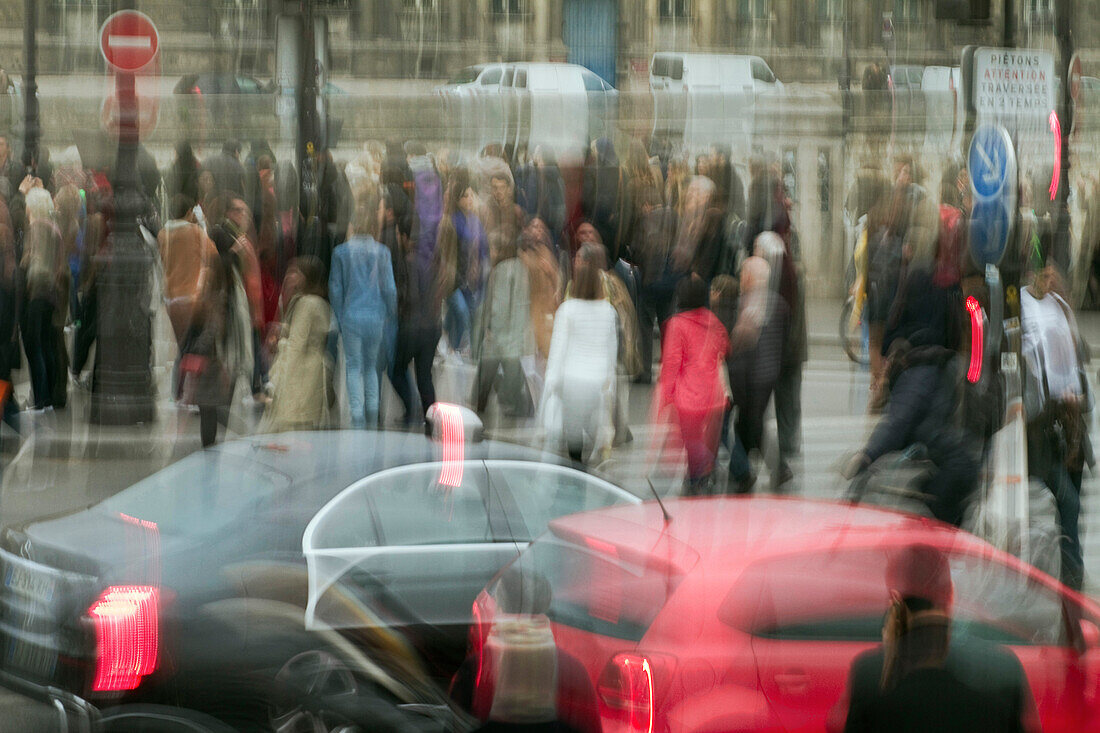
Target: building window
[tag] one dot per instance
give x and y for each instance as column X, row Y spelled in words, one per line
column 507, row 7
column 907, row 11
column 752, row 9
column 830, row 11
column 1041, row 10
column 675, row 9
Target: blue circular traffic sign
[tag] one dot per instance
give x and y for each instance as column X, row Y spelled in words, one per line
column 992, row 162
column 990, row 227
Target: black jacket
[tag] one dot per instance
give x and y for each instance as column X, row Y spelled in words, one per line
column 980, row 689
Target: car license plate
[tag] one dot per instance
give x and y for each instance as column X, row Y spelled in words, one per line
column 29, row 584
column 32, row 659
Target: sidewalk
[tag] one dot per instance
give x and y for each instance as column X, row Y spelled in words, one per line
column 823, row 324
column 174, row 432
column 69, row 434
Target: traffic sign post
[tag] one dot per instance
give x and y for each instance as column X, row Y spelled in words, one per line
column 991, row 160
column 992, row 165
column 123, row 394
column 129, row 41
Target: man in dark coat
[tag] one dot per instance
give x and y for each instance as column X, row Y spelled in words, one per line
column 922, row 402
column 605, row 200
column 756, row 349
column 225, row 166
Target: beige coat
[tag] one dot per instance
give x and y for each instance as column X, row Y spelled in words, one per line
column 302, row 372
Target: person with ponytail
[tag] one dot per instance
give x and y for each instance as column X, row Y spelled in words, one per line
column 924, row 677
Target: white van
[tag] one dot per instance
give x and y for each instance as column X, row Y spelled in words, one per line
column 524, row 105
column 944, row 106
column 700, row 99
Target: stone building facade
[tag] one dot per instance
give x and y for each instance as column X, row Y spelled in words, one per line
column 803, row 40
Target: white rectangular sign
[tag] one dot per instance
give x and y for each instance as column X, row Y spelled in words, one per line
column 1013, row 82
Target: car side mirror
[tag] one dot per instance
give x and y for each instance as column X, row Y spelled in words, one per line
column 1090, row 634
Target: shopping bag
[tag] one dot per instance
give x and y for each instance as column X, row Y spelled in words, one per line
column 550, row 419
column 1003, row 515
column 454, row 379
column 532, row 377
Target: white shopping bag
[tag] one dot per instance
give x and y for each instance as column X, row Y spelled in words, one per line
column 454, row 379
column 1003, row 518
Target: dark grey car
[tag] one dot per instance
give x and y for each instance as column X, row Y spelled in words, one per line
column 190, row 588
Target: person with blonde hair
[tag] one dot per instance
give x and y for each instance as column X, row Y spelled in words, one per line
column 580, row 370
column 46, row 273
column 364, row 299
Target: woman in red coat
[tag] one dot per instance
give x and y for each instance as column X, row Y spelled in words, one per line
column 691, row 393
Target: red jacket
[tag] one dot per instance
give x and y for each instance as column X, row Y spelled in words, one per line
column 692, row 354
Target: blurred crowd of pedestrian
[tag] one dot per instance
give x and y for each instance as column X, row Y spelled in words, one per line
column 547, row 287
column 545, row 290
column 920, row 291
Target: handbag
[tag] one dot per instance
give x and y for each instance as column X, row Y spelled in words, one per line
column 531, row 377
column 551, row 421
column 193, row 364
column 1002, row 516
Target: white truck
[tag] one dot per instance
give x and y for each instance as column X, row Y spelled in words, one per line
column 701, row 99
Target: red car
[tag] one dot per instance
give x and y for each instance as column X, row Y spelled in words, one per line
column 744, row 614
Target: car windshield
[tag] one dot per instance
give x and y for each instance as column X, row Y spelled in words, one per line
column 466, row 76
column 589, row 588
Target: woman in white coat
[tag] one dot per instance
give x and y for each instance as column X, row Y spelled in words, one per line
column 580, row 370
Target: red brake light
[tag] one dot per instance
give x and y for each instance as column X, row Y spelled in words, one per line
column 626, row 688
column 977, row 340
column 483, row 612
column 125, row 619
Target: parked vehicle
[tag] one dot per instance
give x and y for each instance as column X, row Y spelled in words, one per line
column 944, row 106
column 746, row 614
column 190, row 587
column 700, row 99
column 524, row 105
column 219, row 83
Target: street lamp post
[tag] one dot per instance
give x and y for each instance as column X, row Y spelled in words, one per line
column 30, row 86
column 123, row 385
column 308, row 123
column 1060, row 220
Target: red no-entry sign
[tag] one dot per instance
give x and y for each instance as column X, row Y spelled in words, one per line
column 128, row 41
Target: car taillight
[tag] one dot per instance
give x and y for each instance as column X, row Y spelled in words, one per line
column 125, row 619
column 483, row 612
column 626, row 688
column 977, row 339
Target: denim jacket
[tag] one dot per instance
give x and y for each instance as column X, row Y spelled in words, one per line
column 361, row 285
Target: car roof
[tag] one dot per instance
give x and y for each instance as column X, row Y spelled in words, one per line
column 359, row 453
column 742, row 530
column 693, row 56
column 311, row 467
